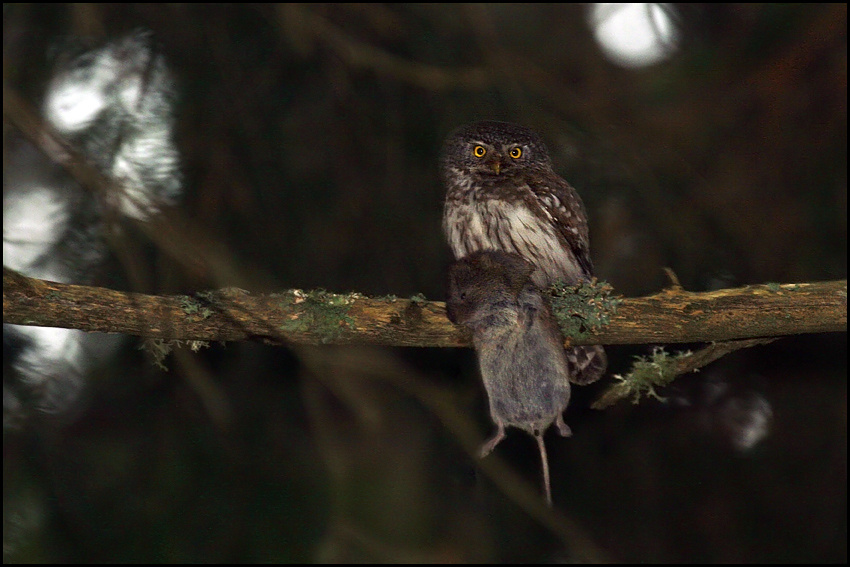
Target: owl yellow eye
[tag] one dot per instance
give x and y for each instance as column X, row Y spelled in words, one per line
column 515, row 153
column 479, row 151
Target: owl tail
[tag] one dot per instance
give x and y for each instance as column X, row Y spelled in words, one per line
column 587, row 364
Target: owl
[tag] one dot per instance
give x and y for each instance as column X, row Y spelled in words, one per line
column 502, row 194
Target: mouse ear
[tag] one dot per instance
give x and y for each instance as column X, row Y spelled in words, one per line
column 527, row 268
column 518, row 268
column 514, row 272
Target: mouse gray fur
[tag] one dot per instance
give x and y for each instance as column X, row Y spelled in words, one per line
column 519, row 345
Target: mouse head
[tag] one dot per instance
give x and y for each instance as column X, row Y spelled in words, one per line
column 483, row 280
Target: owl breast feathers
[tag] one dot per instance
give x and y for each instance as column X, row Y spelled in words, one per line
column 502, row 194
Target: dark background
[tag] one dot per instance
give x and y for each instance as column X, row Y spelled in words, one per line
column 310, row 136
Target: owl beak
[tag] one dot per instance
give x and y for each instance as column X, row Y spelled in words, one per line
column 496, row 166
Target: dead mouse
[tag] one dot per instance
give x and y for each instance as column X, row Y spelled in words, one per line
column 519, row 345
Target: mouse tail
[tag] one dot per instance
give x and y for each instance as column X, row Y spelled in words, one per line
column 544, row 460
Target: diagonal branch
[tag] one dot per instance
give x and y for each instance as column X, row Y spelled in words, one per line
column 660, row 369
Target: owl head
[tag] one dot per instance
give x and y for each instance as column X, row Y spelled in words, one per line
column 494, row 149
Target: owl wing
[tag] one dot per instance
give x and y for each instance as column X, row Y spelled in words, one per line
column 562, row 206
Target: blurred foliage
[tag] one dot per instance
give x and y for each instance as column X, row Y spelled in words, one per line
column 310, row 136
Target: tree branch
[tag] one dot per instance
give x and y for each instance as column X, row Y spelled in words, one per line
column 589, row 314
column 661, row 368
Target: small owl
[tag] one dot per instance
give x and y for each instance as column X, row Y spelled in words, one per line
column 502, row 194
